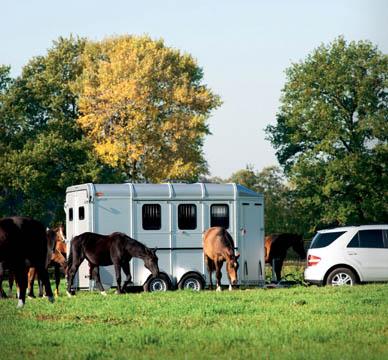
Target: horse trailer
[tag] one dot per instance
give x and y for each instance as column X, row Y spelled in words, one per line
column 170, row 217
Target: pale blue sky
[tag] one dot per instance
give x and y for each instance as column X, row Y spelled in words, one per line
column 243, row 47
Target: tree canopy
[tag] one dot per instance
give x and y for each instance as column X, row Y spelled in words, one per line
column 43, row 149
column 332, row 130
column 144, row 107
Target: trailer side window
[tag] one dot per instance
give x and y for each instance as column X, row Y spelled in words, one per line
column 151, row 217
column 81, row 213
column 219, row 215
column 187, row 216
column 71, row 214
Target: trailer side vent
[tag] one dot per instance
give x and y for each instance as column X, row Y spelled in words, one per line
column 81, row 213
column 187, row 216
column 219, row 215
column 151, row 217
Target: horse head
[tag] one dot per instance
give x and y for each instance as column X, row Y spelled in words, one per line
column 151, row 261
column 298, row 246
column 57, row 243
column 232, row 268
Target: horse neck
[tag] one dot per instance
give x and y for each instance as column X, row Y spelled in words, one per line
column 137, row 249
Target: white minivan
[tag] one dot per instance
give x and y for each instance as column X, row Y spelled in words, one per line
column 348, row 255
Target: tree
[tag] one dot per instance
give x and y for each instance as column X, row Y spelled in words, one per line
column 44, row 149
column 144, row 107
column 280, row 215
column 332, row 131
column 245, row 177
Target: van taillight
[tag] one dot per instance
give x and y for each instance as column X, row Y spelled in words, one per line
column 313, row 260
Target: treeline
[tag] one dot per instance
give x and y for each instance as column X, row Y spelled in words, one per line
column 130, row 108
column 125, row 108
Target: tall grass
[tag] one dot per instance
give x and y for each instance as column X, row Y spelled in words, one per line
column 294, row 323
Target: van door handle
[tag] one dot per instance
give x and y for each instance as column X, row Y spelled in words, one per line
column 352, row 253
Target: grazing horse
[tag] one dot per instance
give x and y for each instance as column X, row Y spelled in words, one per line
column 24, row 244
column 58, row 260
column 101, row 250
column 218, row 247
column 276, row 246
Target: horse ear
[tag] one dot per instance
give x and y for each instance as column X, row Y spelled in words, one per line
column 237, row 255
column 154, row 250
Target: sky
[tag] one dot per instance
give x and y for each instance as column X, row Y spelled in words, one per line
column 242, row 46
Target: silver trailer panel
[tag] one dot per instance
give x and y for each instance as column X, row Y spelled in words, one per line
column 105, row 208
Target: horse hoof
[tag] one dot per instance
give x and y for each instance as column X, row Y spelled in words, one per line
column 69, row 294
column 103, row 293
column 51, row 299
column 31, row 296
column 20, row 304
column 218, row 288
column 56, row 293
column 230, row 288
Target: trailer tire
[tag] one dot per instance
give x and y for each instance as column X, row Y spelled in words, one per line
column 191, row 281
column 159, row 283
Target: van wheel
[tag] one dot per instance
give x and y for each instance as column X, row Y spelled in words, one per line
column 192, row 281
column 159, row 283
column 341, row 276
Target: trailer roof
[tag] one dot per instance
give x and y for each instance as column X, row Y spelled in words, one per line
column 168, row 191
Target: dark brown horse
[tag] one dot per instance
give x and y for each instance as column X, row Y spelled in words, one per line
column 218, row 247
column 276, row 246
column 102, row 250
column 24, row 244
column 58, row 261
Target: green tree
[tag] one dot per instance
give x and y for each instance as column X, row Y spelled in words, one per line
column 280, row 214
column 144, row 107
column 332, row 131
column 246, row 177
column 44, row 149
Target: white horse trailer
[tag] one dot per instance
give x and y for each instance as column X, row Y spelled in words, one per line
column 171, row 217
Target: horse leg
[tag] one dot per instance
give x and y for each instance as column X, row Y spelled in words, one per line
column 75, row 259
column 21, row 276
column 43, row 275
column 218, row 265
column 127, row 272
column 118, row 277
column 11, row 280
column 2, row 292
column 57, row 275
column 31, row 279
column 210, row 269
column 95, row 271
column 278, row 268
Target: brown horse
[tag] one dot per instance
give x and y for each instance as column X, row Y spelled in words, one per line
column 58, row 261
column 24, row 244
column 218, row 247
column 276, row 246
column 102, row 250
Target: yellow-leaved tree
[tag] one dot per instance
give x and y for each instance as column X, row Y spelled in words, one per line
column 144, row 107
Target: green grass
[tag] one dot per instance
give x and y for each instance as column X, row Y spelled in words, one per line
column 294, row 323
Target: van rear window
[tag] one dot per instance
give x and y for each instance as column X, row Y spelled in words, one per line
column 325, row 239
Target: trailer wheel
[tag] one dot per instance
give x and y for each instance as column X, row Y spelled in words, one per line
column 191, row 281
column 159, row 283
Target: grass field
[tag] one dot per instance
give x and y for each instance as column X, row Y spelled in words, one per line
column 295, row 323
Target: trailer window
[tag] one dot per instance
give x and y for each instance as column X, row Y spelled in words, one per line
column 219, row 215
column 187, row 216
column 71, row 214
column 81, row 213
column 151, row 216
